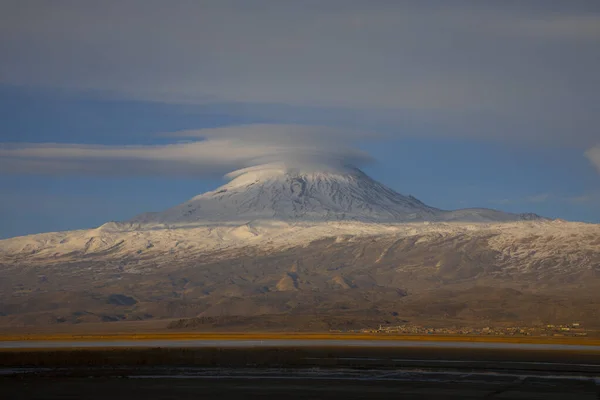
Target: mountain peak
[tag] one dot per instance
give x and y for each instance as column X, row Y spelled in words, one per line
column 280, row 171
column 308, row 193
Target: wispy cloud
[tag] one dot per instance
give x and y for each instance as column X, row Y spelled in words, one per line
column 537, row 198
column 292, row 134
column 593, row 155
column 592, row 197
column 214, row 151
column 503, row 201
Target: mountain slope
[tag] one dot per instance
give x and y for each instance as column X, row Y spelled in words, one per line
column 279, row 193
column 260, row 206
column 278, row 242
column 453, row 273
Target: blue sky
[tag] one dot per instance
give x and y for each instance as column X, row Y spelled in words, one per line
column 501, row 114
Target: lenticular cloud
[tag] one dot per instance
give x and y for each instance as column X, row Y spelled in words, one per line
column 207, row 152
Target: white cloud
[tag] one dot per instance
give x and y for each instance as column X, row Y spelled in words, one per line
column 593, row 155
column 279, row 133
column 491, row 69
column 216, row 151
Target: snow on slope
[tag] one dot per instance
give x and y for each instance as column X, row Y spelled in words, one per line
column 524, row 245
column 114, row 240
column 274, row 192
column 269, row 206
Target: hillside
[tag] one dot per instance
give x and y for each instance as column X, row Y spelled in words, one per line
column 299, row 250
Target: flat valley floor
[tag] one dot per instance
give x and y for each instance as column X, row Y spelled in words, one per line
column 302, row 372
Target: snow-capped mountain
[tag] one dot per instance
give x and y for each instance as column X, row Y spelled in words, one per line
column 277, row 192
column 318, row 241
column 272, row 204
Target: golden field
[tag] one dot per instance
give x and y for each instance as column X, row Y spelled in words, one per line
column 291, row 336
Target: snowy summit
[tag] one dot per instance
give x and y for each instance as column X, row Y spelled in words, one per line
column 324, row 193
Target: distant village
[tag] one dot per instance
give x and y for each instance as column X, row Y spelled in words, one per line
column 573, row 329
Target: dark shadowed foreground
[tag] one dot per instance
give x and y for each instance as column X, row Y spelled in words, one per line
column 279, row 386
column 299, row 373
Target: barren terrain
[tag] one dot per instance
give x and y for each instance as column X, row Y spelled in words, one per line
column 309, row 277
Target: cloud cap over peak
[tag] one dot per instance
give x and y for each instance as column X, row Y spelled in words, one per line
column 215, row 151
